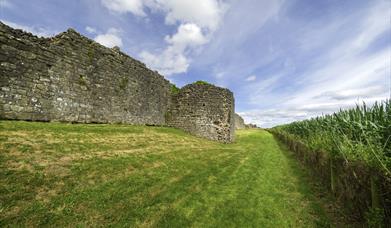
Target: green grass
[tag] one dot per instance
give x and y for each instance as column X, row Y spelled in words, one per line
column 55, row 174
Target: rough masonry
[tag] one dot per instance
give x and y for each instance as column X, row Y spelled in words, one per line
column 239, row 122
column 70, row 78
column 204, row 109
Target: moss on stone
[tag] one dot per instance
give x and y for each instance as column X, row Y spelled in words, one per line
column 124, row 83
column 174, row 89
column 91, row 55
column 82, row 80
column 167, row 115
column 200, row 82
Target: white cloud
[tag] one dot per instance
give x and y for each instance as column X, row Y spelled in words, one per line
column 377, row 22
column 110, row 39
column 360, row 80
column 197, row 21
column 188, row 35
column 270, row 117
column 355, row 75
column 347, row 72
column 167, row 63
column 173, row 60
column 340, row 84
column 262, row 89
column 241, row 21
column 367, row 92
column 267, row 118
column 251, row 78
column 91, row 30
column 123, row 6
column 38, row 31
column 220, row 75
column 205, row 13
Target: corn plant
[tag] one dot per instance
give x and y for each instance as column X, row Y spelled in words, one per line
column 361, row 133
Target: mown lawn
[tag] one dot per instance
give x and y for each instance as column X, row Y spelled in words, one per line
column 54, row 174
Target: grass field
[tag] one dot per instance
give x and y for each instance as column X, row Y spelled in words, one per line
column 55, row 174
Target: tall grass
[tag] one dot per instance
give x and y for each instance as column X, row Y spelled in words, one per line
column 362, row 133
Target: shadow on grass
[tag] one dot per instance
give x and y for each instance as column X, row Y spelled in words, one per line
column 314, row 188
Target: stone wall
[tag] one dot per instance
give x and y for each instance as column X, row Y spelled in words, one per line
column 239, row 122
column 251, row 126
column 204, row 110
column 71, row 78
column 74, row 79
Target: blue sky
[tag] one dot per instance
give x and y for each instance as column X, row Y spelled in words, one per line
column 284, row 60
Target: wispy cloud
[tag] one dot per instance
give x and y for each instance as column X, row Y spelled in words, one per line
column 124, row 6
column 5, row 4
column 368, row 92
column 173, row 60
column 271, row 117
column 241, row 23
column 251, row 78
column 338, row 77
column 91, row 30
column 110, row 39
column 197, row 22
column 39, row 31
column 204, row 13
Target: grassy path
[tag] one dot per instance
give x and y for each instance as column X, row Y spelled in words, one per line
column 100, row 175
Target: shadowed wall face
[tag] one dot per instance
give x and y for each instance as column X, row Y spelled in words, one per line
column 204, row 110
column 239, row 122
column 71, row 78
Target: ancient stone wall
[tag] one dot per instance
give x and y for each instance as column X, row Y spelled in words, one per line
column 204, row 110
column 239, row 122
column 74, row 79
column 251, row 126
column 71, row 78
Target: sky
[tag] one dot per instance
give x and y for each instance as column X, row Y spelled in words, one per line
column 284, row 60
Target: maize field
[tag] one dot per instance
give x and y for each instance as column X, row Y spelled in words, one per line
column 359, row 134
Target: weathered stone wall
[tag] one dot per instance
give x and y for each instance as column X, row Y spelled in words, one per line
column 72, row 78
column 239, row 122
column 251, row 126
column 204, row 110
